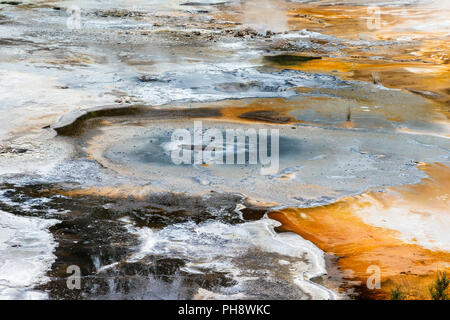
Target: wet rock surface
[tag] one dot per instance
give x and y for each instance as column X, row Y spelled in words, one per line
column 93, row 233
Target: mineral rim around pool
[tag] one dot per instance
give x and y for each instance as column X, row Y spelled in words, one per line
column 357, row 98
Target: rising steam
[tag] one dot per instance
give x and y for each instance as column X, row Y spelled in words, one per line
column 264, row 15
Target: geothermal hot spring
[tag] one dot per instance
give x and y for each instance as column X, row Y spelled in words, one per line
column 92, row 91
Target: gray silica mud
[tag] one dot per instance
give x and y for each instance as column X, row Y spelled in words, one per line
column 155, row 150
column 229, row 80
column 340, row 161
column 152, row 229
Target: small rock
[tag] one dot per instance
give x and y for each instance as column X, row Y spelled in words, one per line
column 269, row 33
column 10, row 150
column 239, row 33
column 147, row 79
column 281, row 44
column 124, row 99
column 246, row 32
